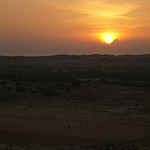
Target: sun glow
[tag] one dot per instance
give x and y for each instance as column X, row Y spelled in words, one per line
column 108, row 38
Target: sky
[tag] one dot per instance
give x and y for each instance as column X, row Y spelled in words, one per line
column 50, row 27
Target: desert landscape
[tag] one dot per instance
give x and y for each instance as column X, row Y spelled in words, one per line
column 74, row 75
column 98, row 110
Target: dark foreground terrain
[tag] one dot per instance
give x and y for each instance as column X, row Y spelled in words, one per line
column 75, row 102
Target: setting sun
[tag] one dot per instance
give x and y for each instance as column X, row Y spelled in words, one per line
column 108, row 38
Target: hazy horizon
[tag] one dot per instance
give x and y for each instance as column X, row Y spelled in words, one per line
column 51, row 27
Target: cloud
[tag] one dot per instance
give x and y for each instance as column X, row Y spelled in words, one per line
column 56, row 18
column 97, row 14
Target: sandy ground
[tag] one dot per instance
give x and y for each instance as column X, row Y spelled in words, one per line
column 70, row 123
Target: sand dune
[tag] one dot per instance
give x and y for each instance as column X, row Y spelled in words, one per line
column 55, row 125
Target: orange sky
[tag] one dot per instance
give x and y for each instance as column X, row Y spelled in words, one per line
column 47, row 27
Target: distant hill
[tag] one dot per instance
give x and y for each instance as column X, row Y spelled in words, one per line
column 79, row 60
